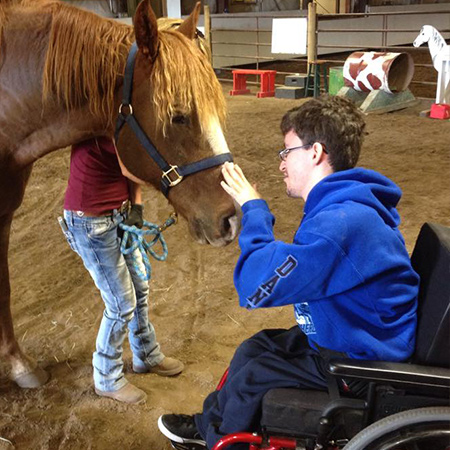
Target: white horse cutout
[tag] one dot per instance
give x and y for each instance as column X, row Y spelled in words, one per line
column 440, row 54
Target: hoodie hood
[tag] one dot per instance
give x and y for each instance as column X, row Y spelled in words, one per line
column 358, row 186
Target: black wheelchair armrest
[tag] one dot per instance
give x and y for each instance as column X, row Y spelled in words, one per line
column 392, row 372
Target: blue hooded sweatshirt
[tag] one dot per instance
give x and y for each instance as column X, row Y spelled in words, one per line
column 347, row 273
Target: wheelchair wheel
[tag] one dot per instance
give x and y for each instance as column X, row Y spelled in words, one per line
column 415, row 429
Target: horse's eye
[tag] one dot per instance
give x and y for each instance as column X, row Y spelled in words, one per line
column 180, row 120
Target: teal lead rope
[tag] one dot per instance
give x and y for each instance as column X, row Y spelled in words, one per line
column 138, row 238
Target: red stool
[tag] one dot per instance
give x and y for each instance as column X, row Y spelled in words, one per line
column 440, row 111
column 267, row 82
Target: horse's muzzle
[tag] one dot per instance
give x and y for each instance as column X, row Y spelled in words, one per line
column 222, row 234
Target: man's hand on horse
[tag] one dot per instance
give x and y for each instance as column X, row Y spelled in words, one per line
column 135, row 216
column 236, row 185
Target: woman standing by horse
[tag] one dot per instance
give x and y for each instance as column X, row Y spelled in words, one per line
column 97, row 200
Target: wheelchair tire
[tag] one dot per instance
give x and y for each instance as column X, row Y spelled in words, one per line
column 401, row 429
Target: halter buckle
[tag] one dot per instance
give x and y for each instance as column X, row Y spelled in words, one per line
column 173, row 170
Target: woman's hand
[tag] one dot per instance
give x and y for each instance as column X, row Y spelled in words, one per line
column 236, row 185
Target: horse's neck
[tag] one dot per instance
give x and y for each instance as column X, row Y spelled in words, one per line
column 20, row 76
column 30, row 126
column 436, row 43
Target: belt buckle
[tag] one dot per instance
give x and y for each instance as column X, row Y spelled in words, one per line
column 124, row 207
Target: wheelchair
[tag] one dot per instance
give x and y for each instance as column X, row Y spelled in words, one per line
column 404, row 406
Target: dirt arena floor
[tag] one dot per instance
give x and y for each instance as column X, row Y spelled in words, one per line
column 193, row 304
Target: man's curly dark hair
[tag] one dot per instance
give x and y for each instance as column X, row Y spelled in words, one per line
column 335, row 122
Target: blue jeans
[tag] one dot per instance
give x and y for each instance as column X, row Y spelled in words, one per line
column 124, row 294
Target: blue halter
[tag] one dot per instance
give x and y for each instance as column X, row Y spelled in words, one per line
column 172, row 174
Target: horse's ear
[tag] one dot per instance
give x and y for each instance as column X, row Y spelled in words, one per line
column 189, row 26
column 146, row 30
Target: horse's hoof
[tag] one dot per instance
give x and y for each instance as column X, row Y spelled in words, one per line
column 30, row 380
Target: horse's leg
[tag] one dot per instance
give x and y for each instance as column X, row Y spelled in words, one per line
column 24, row 371
column 446, row 79
column 440, row 85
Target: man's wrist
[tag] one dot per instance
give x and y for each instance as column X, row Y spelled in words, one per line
column 255, row 203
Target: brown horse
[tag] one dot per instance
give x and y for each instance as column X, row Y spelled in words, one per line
column 61, row 79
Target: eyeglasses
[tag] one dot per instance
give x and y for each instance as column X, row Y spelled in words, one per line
column 282, row 154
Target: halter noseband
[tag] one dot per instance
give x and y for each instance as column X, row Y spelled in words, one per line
column 171, row 174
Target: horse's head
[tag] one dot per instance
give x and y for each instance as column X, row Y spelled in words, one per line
column 179, row 104
column 424, row 36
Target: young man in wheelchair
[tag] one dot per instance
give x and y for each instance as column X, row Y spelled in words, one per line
column 347, row 273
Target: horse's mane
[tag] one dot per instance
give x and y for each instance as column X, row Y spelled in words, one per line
column 179, row 61
column 167, row 23
column 8, row 4
column 85, row 57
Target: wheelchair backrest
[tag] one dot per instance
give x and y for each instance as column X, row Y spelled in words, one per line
column 431, row 260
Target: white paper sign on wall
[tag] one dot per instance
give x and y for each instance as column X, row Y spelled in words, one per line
column 173, row 8
column 289, row 35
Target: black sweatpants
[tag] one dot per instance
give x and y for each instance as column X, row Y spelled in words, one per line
column 270, row 359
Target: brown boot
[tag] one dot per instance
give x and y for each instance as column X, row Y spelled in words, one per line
column 168, row 367
column 127, row 394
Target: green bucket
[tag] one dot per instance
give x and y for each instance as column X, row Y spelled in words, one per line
column 336, row 81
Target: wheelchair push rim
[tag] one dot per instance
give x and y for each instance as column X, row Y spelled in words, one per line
column 412, row 429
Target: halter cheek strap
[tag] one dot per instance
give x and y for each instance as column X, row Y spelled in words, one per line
column 171, row 174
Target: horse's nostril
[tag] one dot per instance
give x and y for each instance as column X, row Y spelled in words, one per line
column 230, row 226
column 226, row 225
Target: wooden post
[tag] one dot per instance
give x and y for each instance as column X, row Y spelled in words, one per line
column 208, row 29
column 257, row 42
column 312, row 33
column 348, row 6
